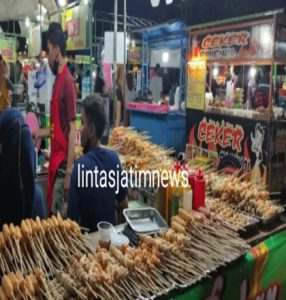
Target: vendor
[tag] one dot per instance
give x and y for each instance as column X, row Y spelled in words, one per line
column 89, row 201
column 263, row 88
column 156, row 85
column 63, row 128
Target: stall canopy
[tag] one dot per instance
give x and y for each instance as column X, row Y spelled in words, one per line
column 21, row 9
column 170, row 38
column 166, row 35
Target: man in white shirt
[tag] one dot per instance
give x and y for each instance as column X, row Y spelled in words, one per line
column 156, row 85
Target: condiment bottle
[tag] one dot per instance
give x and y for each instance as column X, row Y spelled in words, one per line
column 188, row 199
column 199, row 190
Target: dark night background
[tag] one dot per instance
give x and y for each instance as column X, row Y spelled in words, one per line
column 192, row 11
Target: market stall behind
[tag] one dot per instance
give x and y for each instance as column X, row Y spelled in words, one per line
column 166, row 45
column 243, row 132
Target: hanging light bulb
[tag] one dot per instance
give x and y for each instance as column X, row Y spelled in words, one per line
column 215, row 71
column 155, row 3
column 62, row 3
column 252, row 71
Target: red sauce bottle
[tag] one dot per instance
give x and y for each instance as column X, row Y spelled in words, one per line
column 192, row 175
column 199, row 190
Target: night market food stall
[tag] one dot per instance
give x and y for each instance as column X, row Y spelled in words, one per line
column 200, row 255
column 238, row 63
column 165, row 44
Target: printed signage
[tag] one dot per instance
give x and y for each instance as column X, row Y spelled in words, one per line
column 8, row 49
column 197, row 72
column 74, row 21
column 135, row 55
column 35, row 46
column 254, row 42
column 238, row 144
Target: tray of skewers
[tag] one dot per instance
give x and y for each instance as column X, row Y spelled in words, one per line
column 244, row 197
column 266, row 213
column 238, row 220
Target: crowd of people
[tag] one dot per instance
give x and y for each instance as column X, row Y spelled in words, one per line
column 19, row 193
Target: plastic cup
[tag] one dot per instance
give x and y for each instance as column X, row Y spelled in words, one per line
column 105, row 230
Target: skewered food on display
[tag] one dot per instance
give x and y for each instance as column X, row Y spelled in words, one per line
column 243, row 195
column 136, row 150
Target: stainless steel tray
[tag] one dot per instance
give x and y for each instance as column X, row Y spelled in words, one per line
column 145, row 220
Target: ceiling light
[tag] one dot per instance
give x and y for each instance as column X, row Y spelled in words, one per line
column 40, row 18
column 165, row 57
column 27, row 22
column 169, row 2
column 85, row 1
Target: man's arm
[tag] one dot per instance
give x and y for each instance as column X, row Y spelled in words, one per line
column 41, row 133
column 71, row 153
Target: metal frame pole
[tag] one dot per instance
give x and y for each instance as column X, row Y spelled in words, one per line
column 125, row 64
column 115, row 55
column 90, row 16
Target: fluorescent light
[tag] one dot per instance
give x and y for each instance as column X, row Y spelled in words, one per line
column 165, row 57
column 27, row 22
column 252, row 72
column 62, row 3
column 169, row 2
column 155, row 3
column 215, row 71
